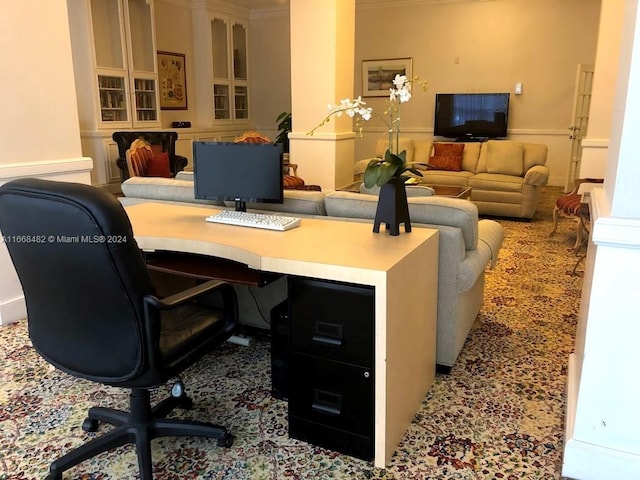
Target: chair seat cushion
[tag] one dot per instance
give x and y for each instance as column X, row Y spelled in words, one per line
column 181, row 326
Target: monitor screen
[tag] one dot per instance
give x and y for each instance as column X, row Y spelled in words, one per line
column 240, row 172
column 471, row 115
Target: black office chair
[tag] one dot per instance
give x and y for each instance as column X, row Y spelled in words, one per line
column 92, row 312
column 165, row 140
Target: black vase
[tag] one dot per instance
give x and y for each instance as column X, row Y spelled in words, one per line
column 392, row 207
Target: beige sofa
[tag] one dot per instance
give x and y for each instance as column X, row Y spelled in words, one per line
column 505, row 176
column 466, row 247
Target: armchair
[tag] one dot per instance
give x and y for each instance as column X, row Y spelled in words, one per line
column 93, row 313
column 166, row 142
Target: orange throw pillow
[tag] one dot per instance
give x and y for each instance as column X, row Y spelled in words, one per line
column 158, row 166
column 447, row 156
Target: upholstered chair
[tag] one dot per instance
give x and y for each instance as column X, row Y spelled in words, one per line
column 157, row 159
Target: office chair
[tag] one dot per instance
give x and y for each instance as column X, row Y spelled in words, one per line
column 92, row 312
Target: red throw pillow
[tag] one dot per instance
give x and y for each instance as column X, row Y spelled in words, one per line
column 447, row 156
column 158, row 166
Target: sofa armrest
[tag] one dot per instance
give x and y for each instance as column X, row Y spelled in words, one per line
column 490, row 235
column 537, row 175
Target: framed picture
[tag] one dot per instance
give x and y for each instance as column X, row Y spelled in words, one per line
column 378, row 75
column 173, row 81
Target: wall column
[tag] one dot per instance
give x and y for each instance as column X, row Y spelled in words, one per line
column 322, row 71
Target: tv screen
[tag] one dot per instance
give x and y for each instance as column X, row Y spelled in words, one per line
column 468, row 116
column 240, row 172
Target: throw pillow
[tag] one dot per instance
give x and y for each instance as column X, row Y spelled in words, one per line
column 158, row 166
column 447, row 156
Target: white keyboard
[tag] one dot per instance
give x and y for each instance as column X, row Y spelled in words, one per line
column 255, row 220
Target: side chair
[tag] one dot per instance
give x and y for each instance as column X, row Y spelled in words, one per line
column 570, row 205
column 92, row 312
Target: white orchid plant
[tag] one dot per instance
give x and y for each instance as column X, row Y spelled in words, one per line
column 380, row 170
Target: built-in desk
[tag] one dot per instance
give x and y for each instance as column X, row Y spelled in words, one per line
column 403, row 271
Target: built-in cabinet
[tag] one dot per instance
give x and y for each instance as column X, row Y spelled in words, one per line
column 117, row 84
column 114, row 56
column 222, row 73
column 122, row 34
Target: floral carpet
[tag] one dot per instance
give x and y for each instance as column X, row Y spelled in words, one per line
column 499, row 414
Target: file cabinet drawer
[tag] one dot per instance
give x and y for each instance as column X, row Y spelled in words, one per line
column 331, row 393
column 332, row 320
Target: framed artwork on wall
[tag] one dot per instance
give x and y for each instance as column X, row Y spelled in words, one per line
column 378, row 75
column 173, row 81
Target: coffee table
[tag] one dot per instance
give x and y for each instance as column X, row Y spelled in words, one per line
column 439, row 190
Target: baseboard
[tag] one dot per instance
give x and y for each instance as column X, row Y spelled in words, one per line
column 13, row 311
column 587, row 461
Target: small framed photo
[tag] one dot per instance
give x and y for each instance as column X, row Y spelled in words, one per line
column 173, row 81
column 378, row 75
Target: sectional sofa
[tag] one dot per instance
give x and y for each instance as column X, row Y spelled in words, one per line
column 506, row 176
column 467, row 246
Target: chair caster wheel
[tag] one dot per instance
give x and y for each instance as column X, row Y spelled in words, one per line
column 226, row 441
column 53, row 476
column 177, row 390
column 89, row 425
column 179, row 393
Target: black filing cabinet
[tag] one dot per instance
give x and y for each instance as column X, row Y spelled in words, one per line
column 331, row 360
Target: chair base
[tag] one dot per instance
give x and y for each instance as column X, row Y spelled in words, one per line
column 139, row 426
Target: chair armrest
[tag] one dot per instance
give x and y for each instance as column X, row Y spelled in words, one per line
column 121, row 162
column 537, row 175
column 185, row 296
column 178, row 163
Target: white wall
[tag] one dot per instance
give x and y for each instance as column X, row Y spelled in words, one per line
column 39, row 121
column 602, row 440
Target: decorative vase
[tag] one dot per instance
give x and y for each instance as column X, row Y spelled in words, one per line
column 392, row 207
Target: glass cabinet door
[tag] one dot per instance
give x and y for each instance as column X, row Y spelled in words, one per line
column 113, row 95
column 239, row 52
column 221, row 110
column 108, row 34
column 145, row 95
column 141, row 33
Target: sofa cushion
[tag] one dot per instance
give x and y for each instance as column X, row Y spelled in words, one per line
column 447, row 156
column 496, row 182
column 170, row 189
column 506, row 157
column 425, row 210
column 405, row 144
column 470, row 156
column 422, row 151
column 446, row 177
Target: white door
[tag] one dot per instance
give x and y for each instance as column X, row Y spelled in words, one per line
column 581, row 101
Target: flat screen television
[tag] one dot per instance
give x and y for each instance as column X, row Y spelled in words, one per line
column 471, row 116
column 239, row 172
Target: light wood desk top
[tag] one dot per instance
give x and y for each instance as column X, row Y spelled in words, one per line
column 317, row 243
column 402, row 269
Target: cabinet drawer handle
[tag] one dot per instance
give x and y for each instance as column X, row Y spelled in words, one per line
column 334, row 342
column 326, row 402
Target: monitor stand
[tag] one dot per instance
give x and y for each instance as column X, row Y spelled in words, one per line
column 241, row 206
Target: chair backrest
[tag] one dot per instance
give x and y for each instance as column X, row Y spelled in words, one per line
column 125, row 139
column 82, row 273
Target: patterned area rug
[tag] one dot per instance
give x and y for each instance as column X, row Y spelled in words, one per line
column 499, row 414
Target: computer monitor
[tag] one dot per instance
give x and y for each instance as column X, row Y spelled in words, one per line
column 239, row 172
